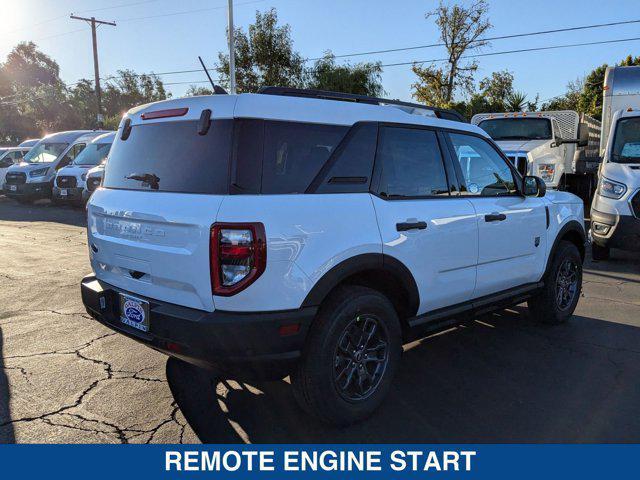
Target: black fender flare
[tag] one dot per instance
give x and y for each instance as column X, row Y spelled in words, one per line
column 362, row 263
column 572, row 226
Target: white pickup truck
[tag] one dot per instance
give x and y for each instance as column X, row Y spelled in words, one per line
column 561, row 147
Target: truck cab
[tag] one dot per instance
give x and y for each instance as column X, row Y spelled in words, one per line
column 33, row 178
column 558, row 146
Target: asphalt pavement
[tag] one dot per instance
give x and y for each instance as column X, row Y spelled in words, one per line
column 502, row 378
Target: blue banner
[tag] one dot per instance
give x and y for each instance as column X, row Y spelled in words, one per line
column 319, row 461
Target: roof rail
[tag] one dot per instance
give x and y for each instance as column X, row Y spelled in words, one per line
column 351, row 97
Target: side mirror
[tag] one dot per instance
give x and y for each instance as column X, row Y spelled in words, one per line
column 533, row 186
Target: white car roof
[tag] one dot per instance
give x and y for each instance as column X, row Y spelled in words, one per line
column 30, row 142
column 64, row 137
column 290, row 108
column 105, row 138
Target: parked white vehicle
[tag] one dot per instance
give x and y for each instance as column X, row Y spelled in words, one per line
column 615, row 211
column 70, row 181
column 94, row 179
column 561, row 146
column 29, row 143
column 10, row 156
column 33, row 177
column 289, row 232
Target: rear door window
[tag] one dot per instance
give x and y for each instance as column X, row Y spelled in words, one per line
column 411, row 163
column 172, row 157
column 294, row 153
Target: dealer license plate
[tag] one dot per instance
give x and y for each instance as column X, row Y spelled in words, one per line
column 134, row 312
column 63, row 192
column 13, row 188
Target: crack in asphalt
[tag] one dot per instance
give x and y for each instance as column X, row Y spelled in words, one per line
column 120, row 432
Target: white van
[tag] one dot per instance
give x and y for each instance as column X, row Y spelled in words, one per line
column 10, row 156
column 615, row 212
column 71, row 180
column 33, row 177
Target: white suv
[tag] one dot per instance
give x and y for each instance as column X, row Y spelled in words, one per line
column 312, row 233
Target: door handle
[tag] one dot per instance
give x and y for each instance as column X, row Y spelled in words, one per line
column 495, row 217
column 404, row 226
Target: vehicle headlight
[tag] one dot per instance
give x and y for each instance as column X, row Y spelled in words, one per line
column 547, row 171
column 84, row 177
column 40, row 172
column 611, row 189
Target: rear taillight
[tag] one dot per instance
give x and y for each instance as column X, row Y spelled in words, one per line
column 238, row 256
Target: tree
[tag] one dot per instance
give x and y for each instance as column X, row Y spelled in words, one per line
column 361, row 79
column 497, row 87
column 585, row 95
column 194, row 90
column 516, row 102
column 264, row 56
column 461, row 30
column 33, row 97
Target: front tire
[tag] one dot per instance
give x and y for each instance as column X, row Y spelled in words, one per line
column 563, row 284
column 350, row 358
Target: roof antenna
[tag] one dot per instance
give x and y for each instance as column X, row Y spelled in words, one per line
column 216, row 88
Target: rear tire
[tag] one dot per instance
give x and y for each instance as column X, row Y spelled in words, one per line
column 562, row 287
column 351, row 356
column 600, row 253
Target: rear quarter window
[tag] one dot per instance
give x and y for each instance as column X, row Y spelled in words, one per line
column 294, row 153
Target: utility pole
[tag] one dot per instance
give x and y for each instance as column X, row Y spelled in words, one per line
column 94, row 24
column 232, row 52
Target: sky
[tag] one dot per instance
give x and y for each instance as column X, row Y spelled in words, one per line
column 178, row 32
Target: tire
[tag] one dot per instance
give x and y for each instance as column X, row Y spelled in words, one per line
column 600, row 253
column 330, row 359
column 562, row 287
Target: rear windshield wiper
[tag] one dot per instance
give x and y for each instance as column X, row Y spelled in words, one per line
column 149, row 178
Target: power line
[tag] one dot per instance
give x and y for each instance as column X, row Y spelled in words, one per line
column 185, row 12
column 522, row 50
column 487, row 39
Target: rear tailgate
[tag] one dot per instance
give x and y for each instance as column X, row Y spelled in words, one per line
column 164, row 182
column 154, row 244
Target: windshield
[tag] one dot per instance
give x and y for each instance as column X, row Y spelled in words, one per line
column 45, row 152
column 518, row 128
column 93, row 154
column 626, row 146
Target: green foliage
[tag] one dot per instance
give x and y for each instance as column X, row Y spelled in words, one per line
column 361, row 79
column 34, row 100
column 263, row 56
column 586, row 95
column 516, row 102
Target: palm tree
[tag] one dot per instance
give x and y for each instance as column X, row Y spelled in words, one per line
column 516, row 102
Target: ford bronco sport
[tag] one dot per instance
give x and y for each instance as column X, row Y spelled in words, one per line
column 308, row 233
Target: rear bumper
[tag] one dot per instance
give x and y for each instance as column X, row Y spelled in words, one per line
column 73, row 194
column 231, row 341
column 623, row 231
column 28, row 190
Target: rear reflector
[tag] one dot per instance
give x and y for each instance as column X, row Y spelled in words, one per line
column 172, row 112
column 286, row 330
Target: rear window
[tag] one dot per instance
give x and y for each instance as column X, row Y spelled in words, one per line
column 172, row 157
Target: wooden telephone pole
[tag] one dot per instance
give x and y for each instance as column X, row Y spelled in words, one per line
column 94, row 24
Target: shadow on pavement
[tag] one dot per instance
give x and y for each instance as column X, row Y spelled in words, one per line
column 499, row 379
column 41, row 211
column 7, row 434
column 615, row 268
